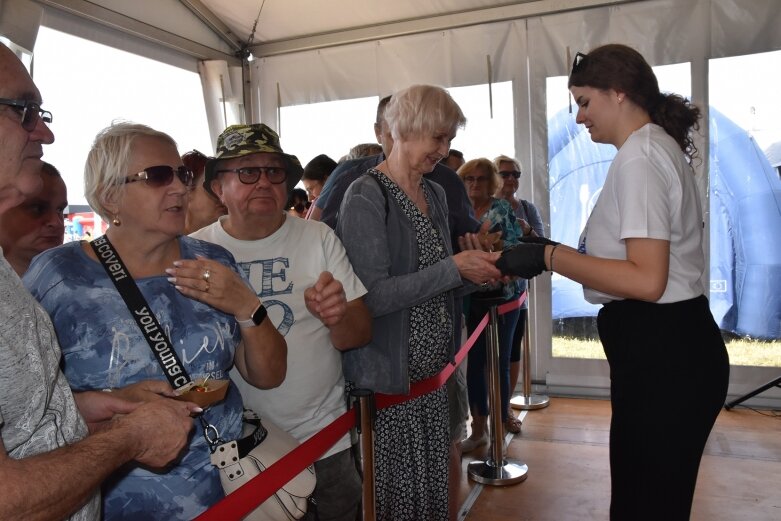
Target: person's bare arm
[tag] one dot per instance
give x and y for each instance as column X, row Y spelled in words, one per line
column 349, row 323
column 55, row 484
column 642, row 276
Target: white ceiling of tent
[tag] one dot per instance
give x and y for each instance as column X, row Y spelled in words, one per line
column 209, row 29
column 288, row 19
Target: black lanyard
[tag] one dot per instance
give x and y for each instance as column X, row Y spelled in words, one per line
column 147, row 321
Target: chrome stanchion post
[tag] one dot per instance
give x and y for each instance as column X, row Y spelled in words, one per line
column 497, row 470
column 365, row 424
column 528, row 401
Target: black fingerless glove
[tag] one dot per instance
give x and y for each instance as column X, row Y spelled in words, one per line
column 525, row 260
column 537, row 240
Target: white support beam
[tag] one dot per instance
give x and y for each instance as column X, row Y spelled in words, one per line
column 137, row 28
column 217, row 26
column 523, row 9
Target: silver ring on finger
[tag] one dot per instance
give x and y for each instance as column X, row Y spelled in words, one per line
column 206, row 276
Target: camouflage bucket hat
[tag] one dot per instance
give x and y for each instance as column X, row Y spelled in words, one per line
column 243, row 140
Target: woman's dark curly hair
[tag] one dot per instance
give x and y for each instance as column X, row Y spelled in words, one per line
column 623, row 69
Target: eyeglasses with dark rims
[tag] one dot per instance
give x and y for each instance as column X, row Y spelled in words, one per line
column 250, row 174
column 30, row 111
column 514, row 173
column 163, row 175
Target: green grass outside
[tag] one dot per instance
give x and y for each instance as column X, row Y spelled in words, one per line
column 741, row 351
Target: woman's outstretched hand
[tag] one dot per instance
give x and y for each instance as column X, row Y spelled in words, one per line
column 478, row 266
column 482, row 240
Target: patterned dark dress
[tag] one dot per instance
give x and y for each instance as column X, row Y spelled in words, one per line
column 412, row 439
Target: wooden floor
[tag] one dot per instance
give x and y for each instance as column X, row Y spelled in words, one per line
column 566, row 449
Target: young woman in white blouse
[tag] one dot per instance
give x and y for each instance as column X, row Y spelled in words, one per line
column 641, row 257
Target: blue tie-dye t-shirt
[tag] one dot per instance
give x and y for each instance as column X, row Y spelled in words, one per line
column 103, row 347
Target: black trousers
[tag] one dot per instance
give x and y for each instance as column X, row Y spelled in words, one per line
column 669, row 372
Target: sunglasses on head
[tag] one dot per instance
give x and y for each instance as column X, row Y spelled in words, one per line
column 30, row 111
column 251, row 174
column 577, row 62
column 163, row 175
column 301, row 207
column 516, row 174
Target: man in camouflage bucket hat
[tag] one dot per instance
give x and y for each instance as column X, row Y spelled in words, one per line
column 243, row 140
column 301, row 272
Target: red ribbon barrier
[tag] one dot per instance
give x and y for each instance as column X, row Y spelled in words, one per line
column 246, row 498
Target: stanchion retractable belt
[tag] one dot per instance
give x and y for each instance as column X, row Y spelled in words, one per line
column 245, row 499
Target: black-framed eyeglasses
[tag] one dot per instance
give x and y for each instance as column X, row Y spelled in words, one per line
column 473, row 179
column 249, row 175
column 579, row 57
column 163, row 175
column 505, row 174
column 30, row 111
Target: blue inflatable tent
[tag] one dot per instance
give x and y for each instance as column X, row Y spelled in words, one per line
column 745, row 209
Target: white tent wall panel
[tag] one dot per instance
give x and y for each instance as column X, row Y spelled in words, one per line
column 19, row 22
column 312, row 77
column 739, row 27
column 148, row 21
column 99, row 33
column 449, row 58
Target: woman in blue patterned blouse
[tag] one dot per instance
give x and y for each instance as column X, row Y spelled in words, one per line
column 135, row 180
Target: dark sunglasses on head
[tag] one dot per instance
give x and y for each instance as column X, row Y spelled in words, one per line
column 516, row 174
column 163, row 175
column 30, row 111
column 302, row 207
column 250, row 174
column 576, row 63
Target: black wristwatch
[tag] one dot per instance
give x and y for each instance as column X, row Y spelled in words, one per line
column 257, row 318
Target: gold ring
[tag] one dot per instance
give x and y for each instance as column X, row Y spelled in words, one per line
column 206, row 275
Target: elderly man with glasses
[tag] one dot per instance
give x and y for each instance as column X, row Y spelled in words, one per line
column 49, row 466
column 300, row 270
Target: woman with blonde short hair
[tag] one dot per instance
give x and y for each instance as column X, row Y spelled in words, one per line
column 136, row 181
column 394, row 225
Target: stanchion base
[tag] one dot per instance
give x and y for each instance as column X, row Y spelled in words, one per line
column 488, row 473
column 528, row 403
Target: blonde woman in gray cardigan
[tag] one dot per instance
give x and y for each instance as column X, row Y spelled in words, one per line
column 393, row 223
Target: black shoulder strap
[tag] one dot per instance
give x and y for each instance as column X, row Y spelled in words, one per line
column 384, row 194
column 525, row 208
column 153, row 332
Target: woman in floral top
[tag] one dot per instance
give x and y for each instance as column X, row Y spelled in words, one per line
column 482, row 180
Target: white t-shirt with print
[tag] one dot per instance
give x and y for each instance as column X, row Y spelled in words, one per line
column 650, row 192
column 280, row 268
